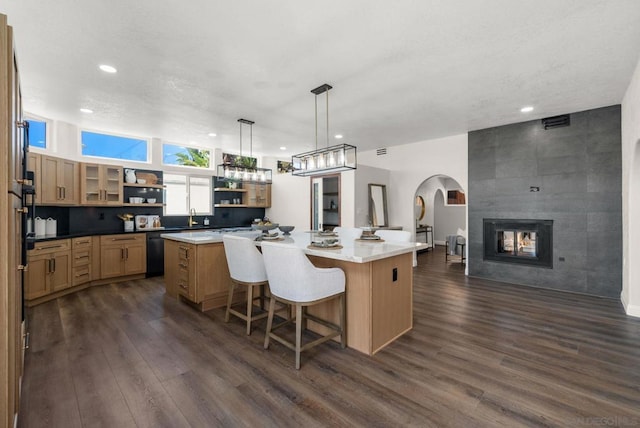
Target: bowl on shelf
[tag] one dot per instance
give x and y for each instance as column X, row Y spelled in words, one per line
column 151, row 200
column 286, row 229
column 136, row 200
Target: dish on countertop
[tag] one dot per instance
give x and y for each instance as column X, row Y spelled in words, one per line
column 370, row 237
column 327, row 233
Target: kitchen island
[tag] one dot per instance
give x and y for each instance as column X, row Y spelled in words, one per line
column 379, row 281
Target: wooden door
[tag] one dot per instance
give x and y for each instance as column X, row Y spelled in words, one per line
column 90, row 184
column 50, row 192
column 61, row 271
column 68, row 181
column 171, row 265
column 36, row 278
column 111, row 261
column 112, row 185
column 135, row 259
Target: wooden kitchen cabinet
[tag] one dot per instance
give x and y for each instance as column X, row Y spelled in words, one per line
column 100, row 184
column 49, row 268
column 198, row 273
column 123, row 254
column 59, row 182
column 82, row 256
column 258, row 195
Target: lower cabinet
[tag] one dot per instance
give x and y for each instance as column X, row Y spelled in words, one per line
column 198, row 273
column 49, row 268
column 81, row 253
column 121, row 255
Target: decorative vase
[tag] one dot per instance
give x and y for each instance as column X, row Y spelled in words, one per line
column 130, row 175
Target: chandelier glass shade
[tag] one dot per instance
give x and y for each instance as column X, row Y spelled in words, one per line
column 342, row 157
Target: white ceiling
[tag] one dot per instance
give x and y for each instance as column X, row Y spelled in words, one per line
column 402, row 71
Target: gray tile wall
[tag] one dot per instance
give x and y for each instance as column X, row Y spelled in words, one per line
column 579, row 172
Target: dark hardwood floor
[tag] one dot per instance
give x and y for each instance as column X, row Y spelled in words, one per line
column 481, row 353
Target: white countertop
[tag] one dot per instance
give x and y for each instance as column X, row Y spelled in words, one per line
column 354, row 251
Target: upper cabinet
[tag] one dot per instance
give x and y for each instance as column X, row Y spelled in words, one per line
column 100, row 184
column 59, row 182
column 258, row 195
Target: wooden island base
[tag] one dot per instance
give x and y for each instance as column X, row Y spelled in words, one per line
column 379, row 309
column 379, row 292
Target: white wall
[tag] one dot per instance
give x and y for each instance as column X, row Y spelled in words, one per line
column 363, row 176
column 410, row 164
column 290, row 198
column 630, row 295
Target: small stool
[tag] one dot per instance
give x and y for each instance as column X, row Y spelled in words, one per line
column 460, row 242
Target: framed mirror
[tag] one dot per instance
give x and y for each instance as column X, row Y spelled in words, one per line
column 378, row 205
column 420, row 208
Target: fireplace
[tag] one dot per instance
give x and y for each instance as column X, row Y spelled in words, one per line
column 528, row 242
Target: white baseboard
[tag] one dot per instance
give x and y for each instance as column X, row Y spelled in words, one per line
column 631, row 310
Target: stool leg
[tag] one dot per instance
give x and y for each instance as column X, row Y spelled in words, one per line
column 272, row 307
column 249, row 308
column 343, row 320
column 229, row 300
column 298, row 333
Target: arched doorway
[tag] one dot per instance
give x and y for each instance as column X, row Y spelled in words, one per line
column 444, row 209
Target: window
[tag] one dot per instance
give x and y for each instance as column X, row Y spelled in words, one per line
column 114, row 147
column 184, row 193
column 185, row 156
column 37, row 133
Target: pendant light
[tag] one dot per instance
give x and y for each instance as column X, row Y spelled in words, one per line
column 243, row 168
column 337, row 158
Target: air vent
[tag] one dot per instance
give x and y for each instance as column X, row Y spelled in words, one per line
column 556, row 121
column 381, row 152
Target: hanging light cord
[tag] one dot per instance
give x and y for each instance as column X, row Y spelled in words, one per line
column 327, row 118
column 316, row 99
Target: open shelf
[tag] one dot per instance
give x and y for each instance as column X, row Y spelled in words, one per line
column 126, row 204
column 150, row 186
column 230, row 205
column 225, row 189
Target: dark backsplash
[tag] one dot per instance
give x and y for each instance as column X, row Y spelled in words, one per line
column 75, row 220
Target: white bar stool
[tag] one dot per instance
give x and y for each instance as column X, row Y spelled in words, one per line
column 294, row 280
column 247, row 270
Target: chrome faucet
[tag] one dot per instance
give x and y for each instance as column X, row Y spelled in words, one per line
column 192, row 212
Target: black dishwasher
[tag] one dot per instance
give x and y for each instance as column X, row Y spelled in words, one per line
column 155, row 254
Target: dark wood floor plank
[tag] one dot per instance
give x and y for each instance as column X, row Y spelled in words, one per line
column 149, row 403
column 481, row 354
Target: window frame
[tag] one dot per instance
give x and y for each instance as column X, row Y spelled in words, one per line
column 47, row 134
column 188, row 146
column 188, row 190
column 114, row 134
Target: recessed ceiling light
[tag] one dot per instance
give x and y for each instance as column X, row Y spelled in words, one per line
column 338, row 136
column 86, row 110
column 526, row 109
column 108, row 68
column 212, row 134
column 283, row 148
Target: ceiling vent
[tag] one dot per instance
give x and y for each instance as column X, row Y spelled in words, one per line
column 381, row 152
column 556, row 121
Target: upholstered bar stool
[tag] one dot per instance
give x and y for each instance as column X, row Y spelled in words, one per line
column 247, row 270
column 294, row 280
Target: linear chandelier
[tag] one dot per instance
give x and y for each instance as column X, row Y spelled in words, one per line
column 243, row 168
column 342, row 157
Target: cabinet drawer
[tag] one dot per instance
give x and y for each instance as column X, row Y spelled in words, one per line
column 84, row 242
column 123, row 239
column 81, row 275
column 51, row 247
column 81, row 257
